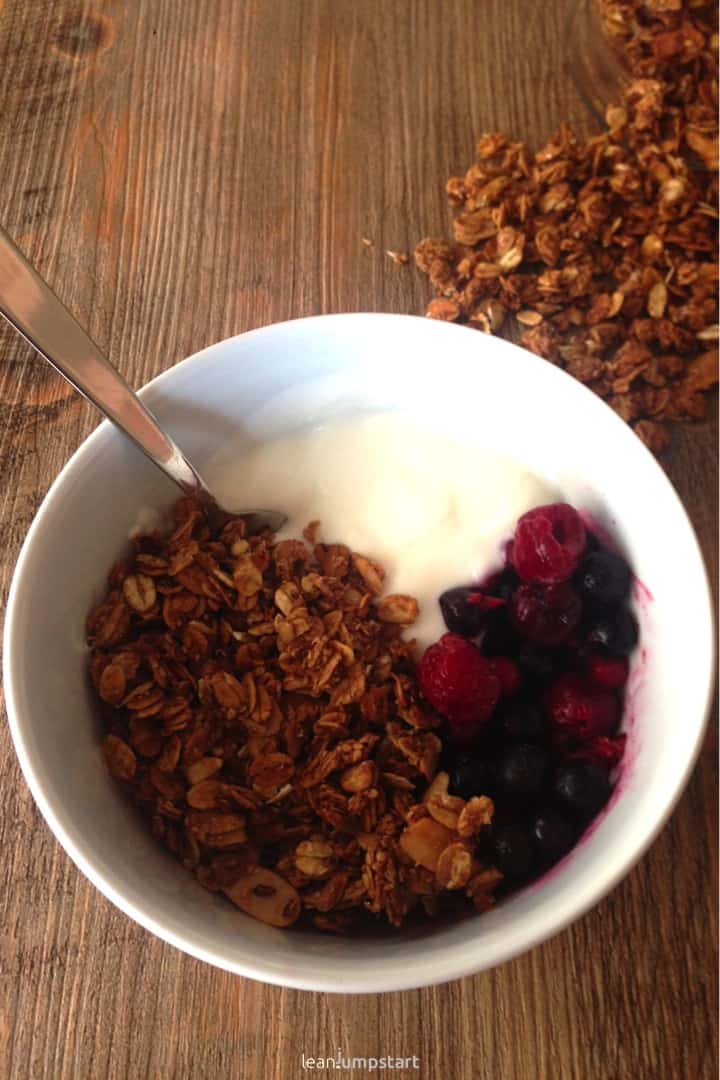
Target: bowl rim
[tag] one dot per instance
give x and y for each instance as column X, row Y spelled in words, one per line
column 398, row 978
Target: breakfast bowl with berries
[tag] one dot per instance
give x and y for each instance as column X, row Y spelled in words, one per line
column 421, row 729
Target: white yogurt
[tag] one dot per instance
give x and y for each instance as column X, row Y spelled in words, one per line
column 147, row 520
column 434, row 511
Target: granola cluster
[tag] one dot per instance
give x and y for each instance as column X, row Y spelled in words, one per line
column 261, row 709
column 604, row 250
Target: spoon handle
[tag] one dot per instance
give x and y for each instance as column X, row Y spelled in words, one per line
column 33, row 309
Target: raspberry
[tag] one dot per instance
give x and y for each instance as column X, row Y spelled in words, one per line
column 581, row 710
column 548, row 544
column 547, row 614
column 602, row 750
column 610, row 671
column 485, row 602
column 458, row 681
column 502, row 584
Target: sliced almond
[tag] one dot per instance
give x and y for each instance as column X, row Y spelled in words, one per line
column 424, row 841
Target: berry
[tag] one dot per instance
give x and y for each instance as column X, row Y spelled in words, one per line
column 477, row 598
column 592, row 542
column 583, row 787
column 502, row 584
column 508, row 674
column 460, row 617
column 459, row 682
column 553, row 834
column 522, row 721
column 469, row 777
column 548, row 543
column 580, row 709
column 540, row 665
column 610, row 671
column 462, row 734
column 532, row 702
column 615, row 633
column 547, row 614
column 499, row 638
column 513, row 852
column 602, row 750
column 604, row 578
column 521, row 772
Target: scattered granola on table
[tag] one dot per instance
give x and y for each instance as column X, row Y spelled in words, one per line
column 604, row 249
column 261, row 709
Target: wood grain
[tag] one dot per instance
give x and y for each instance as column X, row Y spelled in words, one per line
column 185, row 171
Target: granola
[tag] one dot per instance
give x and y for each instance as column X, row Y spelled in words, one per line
column 261, row 710
column 603, row 250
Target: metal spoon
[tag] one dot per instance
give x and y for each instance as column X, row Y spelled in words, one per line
column 33, row 309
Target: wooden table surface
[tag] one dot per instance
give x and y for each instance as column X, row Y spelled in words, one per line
column 183, row 170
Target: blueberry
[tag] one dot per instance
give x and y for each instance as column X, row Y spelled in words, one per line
column 553, row 834
column 541, row 664
column 513, row 852
column 521, row 772
column 591, row 541
column 522, row 720
column 499, row 638
column 613, row 632
column 469, row 777
column 460, row 617
column 583, row 787
column 449, row 755
column 604, row 578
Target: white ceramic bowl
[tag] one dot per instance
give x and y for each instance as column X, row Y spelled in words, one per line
column 266, row 382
